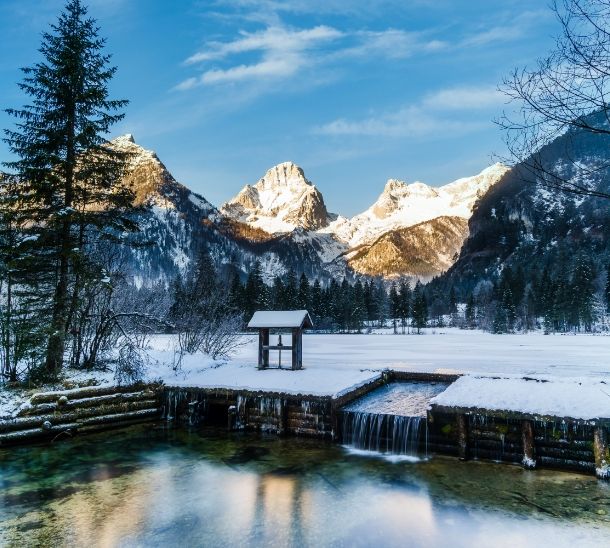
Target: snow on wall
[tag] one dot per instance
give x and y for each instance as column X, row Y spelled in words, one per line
column 574, row 397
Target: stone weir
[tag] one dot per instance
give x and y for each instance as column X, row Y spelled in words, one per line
column 527, row 439
column 55, row 415
column 273, row 412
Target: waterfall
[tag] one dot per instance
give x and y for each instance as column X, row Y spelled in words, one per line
column 394, row 434
column 391, row 419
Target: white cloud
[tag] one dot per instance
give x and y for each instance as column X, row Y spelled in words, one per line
column 390, row 44
column 284, row 52
column 272, row 39
column 430, row 116
column 406, row 122
column 464, row 98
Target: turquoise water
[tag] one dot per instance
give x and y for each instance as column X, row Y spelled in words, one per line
column 150, row 486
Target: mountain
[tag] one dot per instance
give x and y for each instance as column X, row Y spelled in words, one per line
column 523, row 225
column 411, row 230
column 422, row 250
column 401, row 205
column 282, row 222
column 176, row 223
column 282, row 200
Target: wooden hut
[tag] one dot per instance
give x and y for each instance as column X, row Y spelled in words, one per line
column 293, row 321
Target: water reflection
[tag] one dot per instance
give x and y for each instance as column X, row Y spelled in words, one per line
column 170, row 488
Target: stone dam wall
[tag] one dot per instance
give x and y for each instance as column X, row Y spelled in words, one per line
column 554, row 442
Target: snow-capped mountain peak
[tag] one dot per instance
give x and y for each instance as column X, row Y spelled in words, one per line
column 282, row 200
column 402, row 205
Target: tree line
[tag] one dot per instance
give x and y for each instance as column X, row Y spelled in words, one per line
column 339, row 305
column 565, row 294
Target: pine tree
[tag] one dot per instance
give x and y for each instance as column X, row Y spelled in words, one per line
column 394, row 305
column 70, row 190
column 404, row 303
column 253, row 290
column 317, row 301
column 470, row 312
column 304, row 299
column 236, row 293
column 292, row 291
column 452, row 301
column 420, row 308
column 607, row 289
column 583, row 292
column 278, row 294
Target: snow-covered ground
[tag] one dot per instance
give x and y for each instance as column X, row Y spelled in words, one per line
column 335, row 363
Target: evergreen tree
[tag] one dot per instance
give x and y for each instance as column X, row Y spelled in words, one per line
column 317, row 301
column 395, row 304
column 203, row 278
column 420, row 308
column 253, row 290
column 278, row 294
column 583, row 292
column 304, row 298
column 404, row 303
column 607, row 289
column 381, row 303
column 292, row 291
column 358, row 304
column 470, row 312
column 236, row 293
column 452, row 301
column 70, row 191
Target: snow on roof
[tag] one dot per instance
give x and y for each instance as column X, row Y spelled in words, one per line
column 280, row 318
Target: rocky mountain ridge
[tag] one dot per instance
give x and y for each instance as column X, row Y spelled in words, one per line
column 282, row 221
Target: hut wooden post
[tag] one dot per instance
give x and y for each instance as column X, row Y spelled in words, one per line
column 263, row 353
column 297, row 348
column 602, row 453
column 462, row 436
column 529, row 450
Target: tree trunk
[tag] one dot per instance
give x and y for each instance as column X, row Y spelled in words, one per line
column 57, row 339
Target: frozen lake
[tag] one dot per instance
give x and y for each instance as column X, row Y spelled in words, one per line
column 334, row 363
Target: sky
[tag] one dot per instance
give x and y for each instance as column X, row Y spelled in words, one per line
column 353, row 91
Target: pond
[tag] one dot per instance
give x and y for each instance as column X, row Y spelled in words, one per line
column 156, row 486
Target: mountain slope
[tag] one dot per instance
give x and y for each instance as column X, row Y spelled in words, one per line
column 422, row 250
column 523, row 224
column 401, row 205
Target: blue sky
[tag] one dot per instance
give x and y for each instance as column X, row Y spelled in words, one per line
column 353, row 91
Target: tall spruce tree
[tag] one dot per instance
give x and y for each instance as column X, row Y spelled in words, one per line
column 69, row 178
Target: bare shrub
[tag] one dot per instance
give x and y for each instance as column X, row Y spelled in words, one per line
column 131, row 364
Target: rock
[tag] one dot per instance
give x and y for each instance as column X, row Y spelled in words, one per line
column 62, row 401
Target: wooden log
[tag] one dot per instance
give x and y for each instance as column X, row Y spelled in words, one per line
column 602, row 453
column 22, row 436
column 87, row 392
column 95, row 401
column 529, row 448
column 23, row 423
column 462, row 436
column 118, row 417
